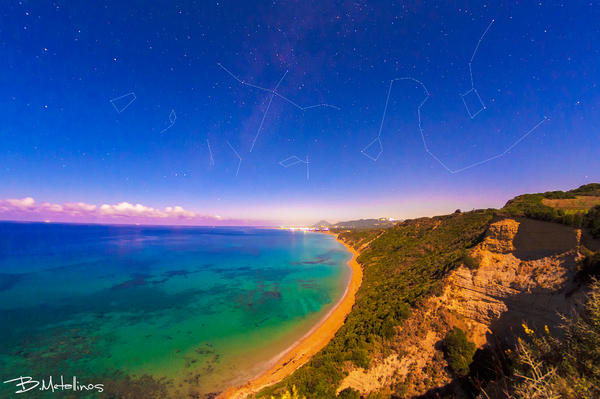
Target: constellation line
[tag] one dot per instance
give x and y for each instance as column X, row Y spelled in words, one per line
column 423, row 136
column 305, row 108
column 380, row 149
column 298, row 160
column 480, row 39
column 240, row 164
column 118, row 98
column 383, row 117
column 172, row 118
column 212, row 161
column 385, row 109
column 527, row 134
column 261, row 122
column 277, row 94
column 273, row 94
column 471, row 75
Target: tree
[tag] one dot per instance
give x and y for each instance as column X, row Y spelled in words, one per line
column 460, row 351
column 387, row 328
column 592, row 221
column 349, row 393
column 291, row 395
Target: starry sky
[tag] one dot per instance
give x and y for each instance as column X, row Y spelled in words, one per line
column 279, row 112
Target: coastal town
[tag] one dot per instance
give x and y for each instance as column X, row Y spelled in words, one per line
column 352, row 224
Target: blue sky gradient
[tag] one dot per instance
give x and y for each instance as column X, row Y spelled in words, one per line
column 63, row 141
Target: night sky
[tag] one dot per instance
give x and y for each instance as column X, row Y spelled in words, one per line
column 296, row 82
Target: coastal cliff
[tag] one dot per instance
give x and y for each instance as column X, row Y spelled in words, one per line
column 525, row 273
column 487, row 277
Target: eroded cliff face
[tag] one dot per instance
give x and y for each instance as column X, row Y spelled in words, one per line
column 525, row 275
column 420, row 351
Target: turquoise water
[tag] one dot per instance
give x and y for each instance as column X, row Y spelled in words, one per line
column 152, row 310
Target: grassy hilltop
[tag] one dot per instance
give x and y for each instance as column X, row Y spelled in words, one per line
column 408, row 263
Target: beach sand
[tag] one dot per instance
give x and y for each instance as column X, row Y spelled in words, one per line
column 309, row 345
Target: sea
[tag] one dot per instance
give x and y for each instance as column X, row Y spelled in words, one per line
column 101, row 310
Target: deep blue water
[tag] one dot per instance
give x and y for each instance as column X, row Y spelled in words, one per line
column 194, row 308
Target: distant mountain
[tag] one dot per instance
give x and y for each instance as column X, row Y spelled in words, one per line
column 366, row 223
column 322, row 223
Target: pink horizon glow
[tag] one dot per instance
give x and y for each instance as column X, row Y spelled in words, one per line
column 27, row 210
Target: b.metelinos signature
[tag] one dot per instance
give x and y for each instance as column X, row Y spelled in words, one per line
column 28, row 383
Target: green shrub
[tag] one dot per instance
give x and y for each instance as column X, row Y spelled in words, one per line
column 592, row 221
column 349, row 393
column 548, row 368
column 531, row 206
column 469, row 261
column 360, row 358
column 588, row 267
column 387, row 328
column 559, row 195
column 591, row 189
column 291, row 394
column 460, row 351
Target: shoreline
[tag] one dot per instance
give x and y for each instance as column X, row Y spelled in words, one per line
column 306, row 347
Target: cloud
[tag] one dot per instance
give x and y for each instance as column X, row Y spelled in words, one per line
column 179, row 212
column 25, row 204
column 78, row 208
column 125, row 209
column 51, row 207
column 26, row 209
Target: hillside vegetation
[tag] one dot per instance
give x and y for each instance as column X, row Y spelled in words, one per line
column 410, row 262
column 403, row 265
column 569, row 208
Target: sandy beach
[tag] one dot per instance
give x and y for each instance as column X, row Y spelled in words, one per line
column 309, row 345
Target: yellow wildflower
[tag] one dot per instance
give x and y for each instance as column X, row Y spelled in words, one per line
column 528, row 331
